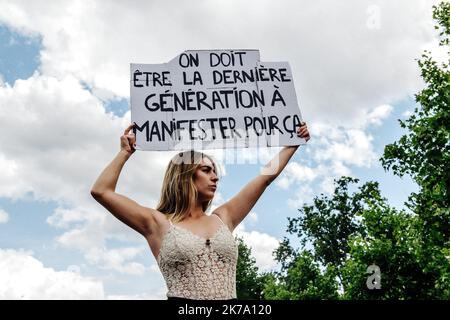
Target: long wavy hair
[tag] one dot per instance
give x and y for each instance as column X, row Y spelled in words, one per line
column 178, row 192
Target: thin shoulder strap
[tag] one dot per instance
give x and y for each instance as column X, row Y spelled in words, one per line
column 219, row 218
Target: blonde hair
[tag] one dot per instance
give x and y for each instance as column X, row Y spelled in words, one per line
column 178, row 192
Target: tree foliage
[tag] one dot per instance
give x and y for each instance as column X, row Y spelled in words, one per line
column 424, row 154
column 341, row 235
column 249, row 283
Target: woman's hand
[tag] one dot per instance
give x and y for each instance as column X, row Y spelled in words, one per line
column 302, row 131
column 128, row 141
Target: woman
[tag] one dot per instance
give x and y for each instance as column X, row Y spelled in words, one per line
column 196, row 252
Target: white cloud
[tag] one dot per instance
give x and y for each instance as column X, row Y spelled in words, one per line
column 339, row 145
column 303, row 194
column 24, row 277
column 66, row 138
column 339, row 83
column 301, row 173
column 10, row 187
column 335, row 150
column 253, row 216
column 91, row 238
column 64, row 217
column 377, row 115
column 261, row 244
column 407, row 114
column 283, row 182
column 118, row 259
column 296, row 173
column 65, row 141
column 62, row 115
column 352, row 147
column 327, row 185
column 4, row 216
column 90, row 226
column 82, row 238
column 438, row 53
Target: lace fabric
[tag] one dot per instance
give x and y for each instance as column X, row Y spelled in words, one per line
column 198, row 268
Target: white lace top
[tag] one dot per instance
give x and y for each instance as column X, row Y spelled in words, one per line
column 198, row 268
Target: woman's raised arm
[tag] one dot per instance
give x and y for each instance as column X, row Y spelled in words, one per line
column 126, row 210
column 237, row 208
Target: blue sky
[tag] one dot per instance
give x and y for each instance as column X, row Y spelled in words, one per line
column 51, row 218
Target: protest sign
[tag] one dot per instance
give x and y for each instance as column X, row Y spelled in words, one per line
column 214, row 99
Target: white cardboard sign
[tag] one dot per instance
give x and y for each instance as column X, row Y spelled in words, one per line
column 214, row 99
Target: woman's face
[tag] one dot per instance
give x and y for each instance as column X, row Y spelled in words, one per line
column 205, row 179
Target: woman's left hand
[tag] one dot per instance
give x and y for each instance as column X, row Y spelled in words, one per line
column 302, row 131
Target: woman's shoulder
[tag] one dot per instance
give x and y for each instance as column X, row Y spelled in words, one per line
column 157, row 216
column 222, row 214
column 161, row 217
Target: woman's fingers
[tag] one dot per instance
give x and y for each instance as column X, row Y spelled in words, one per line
column 128, row 129
column 131, row 139
column 128, row 140
column 302, row 131
column 303, row 134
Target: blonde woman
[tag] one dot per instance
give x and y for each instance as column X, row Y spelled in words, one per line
column 195, row 252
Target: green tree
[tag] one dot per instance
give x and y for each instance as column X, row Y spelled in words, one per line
column 349, row 232
column 249, row 283
column 390, row 243
column 328, row 224
column 303, row 279
column 371, row 233
column 424, row 154
column 343, row 234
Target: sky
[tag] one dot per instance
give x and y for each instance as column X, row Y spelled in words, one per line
column 64, row 102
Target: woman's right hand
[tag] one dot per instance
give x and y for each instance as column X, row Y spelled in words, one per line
column 128, row 140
